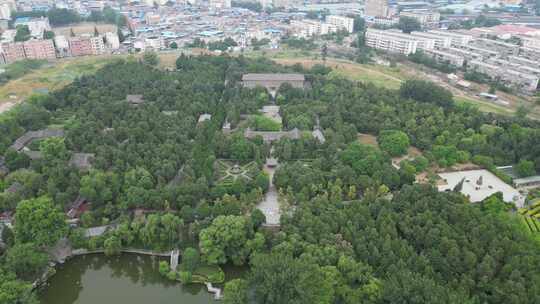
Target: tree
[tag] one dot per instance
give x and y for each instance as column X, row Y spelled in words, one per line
column 394, row 142
column 15, row 160
column 173, row 45
column 96, row 32
column 22, row 34
column 235, row 292
column 120, row 34
column 279, row 278
column 425, row 91
column 13, row 290
column 324, row 53
column 100, row 187
column 190, row 259
column 54, row 148
column 409, row 24
column 38, row 221
column 62, row 16
column 112, row 246
column 522, row 111
column 525, row 168
column 359, row 24
column 150, row 58
column 48, row 34
column 26, row 260
column 225, row 239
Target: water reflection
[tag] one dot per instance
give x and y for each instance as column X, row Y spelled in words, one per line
column 128, row 278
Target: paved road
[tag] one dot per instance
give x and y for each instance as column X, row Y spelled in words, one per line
column 269, row 205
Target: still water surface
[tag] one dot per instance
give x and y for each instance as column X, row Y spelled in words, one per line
column 126, row 279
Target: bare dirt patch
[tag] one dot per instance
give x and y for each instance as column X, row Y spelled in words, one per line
column 84, row 28
column 368, row 139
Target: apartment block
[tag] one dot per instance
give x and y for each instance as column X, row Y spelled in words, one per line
column 522, row 81
column 530, row 42
column 524, row 61
column 39, row 49
column 441, row 56
column 97, row 45
column 112, row 41
column 13, row 52
column 423, row 43
column 467, row 54
column 484, row 52
column 219, row 4
column 457, row 39
column 62, row 46
column 401, row 44
column 80, row 46
column 440, row 41
column 344, row 23
column 308, row 28
column 427, row 19
column 151, row 18
column 502, row 48
column 5, row 11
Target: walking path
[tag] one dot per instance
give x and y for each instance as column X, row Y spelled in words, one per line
column 270, row 205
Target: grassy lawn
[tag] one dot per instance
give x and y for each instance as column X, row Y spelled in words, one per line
column 484, row 106
column 50, row 76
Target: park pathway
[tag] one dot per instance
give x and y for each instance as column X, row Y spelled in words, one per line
column 269, row 205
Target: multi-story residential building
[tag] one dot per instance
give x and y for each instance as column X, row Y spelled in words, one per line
column 341, row 22
column 502, row 48
column 308, row 28
column 4, row 24
column 39, row 49
column 219, row 4
column 5, row 11
column 484, row 52
column 152, row 18
column 522, row 81
column 12, row 52
column 80, row 46
column 467, row 54
column 112, row 41
column 440, row 41
column 427, row 19
column 382, row 21
column 423, row 43
column 97, row 45
column 457, row 39
column 524, row 61
column 376, row 8
column 62, row 46
column 155, row 43
column 401, row 44
column 530, row 42
column 441, row 56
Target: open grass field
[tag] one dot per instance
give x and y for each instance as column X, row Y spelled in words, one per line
column 391, row 78
column 50, row 76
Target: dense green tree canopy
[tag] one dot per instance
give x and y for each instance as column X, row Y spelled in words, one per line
column 39, row 221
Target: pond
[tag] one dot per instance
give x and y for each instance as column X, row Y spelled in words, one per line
column 126, row 279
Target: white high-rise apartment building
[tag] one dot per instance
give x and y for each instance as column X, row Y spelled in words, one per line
column 341, row 22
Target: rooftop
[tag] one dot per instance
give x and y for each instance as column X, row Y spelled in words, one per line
column 135, row 99
column 480, row 184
